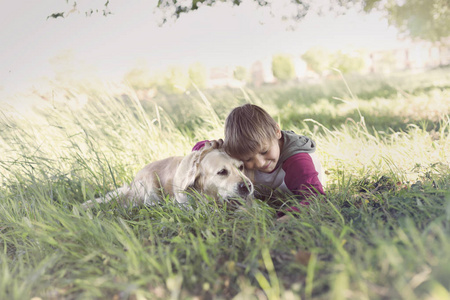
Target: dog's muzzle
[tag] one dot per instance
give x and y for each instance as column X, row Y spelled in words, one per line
column 245, row 189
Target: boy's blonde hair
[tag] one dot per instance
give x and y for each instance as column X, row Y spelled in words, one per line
column 247, row 129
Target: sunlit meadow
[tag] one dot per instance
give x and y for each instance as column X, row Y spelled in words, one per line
column 381, row 232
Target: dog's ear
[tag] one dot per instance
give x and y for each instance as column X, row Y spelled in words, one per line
column 186, row 174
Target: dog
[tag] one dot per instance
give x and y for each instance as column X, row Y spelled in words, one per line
column 209, row 171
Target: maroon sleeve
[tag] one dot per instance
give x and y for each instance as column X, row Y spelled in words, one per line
column 301, row 176
column 301, row 179
column 199, row 145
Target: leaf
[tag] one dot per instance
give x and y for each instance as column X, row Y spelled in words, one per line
column 303, row 257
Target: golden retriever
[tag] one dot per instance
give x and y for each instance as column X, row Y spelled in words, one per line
column 209, row 171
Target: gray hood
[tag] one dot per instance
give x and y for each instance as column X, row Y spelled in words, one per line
column 293, row 144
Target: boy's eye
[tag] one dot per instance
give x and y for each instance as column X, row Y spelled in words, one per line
column 264, row 152
column 222, row 172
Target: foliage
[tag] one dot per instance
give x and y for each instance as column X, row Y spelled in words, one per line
column 198, row 75
column 173, row 80
column 140, row 78
column 382, row 232
column 321, row 60
column 283, row 67
column 174, row 9
column 424, row 19
column 318, row 59
column 240, row 73
column 348, row 62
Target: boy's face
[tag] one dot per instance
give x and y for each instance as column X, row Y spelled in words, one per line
column 266, row 158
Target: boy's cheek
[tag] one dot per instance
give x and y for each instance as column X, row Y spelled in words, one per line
column 248, row 166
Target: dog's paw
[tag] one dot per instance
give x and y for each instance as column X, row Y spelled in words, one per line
column 87, row 204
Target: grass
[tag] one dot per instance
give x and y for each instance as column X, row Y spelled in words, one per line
column 381, row 232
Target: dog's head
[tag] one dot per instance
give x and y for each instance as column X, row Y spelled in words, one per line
column 214, row 173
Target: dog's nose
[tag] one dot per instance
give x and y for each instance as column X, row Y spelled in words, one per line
column 244, row 188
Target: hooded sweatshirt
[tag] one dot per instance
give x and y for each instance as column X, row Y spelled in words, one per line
column 298, row 170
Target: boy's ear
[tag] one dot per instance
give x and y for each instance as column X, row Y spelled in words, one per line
column 278, row 133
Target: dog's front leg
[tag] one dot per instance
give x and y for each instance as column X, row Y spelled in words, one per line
column 121, row 194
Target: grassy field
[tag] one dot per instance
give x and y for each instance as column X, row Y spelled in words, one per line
column 381, row 232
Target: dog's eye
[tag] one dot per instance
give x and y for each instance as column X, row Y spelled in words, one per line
column 222, row 172
column 241, row 168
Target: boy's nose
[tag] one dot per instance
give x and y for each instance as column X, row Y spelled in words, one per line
column 259, row 162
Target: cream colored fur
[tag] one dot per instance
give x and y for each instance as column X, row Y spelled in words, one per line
column 209, row 171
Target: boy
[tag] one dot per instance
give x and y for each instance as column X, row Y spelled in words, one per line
column 281, row 160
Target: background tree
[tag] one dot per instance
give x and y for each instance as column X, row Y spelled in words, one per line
column 240, row 73
column 425, row 19
column 175, row 80
column 140, row 77
column 348, row 62
column 173, row 9
column 283, row 67
column 318, row 59
column 321, row 60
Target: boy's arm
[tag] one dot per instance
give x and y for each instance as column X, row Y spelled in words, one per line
column 199, row 145
column 302, row 177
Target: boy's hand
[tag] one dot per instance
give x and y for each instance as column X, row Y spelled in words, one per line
column 215, row 144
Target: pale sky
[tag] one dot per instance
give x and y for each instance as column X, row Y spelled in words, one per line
column 214, row 36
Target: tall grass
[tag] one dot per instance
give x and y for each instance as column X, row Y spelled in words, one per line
column 381, row 232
